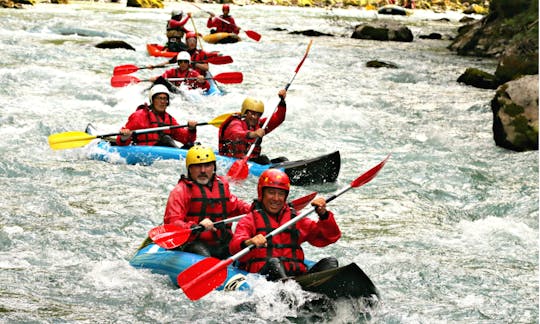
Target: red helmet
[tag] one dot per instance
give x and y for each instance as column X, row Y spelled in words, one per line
column 225, row 7
column 273, row 178
column 191, row 35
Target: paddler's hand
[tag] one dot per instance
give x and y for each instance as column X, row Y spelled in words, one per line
column 207, row 224
column 258, row 133
column 126, row 134
column 258, row 240
column 192, row 124
column 320, row 207
column 282, row 94
column 201, row 79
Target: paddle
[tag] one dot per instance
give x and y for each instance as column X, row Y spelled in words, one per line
column 239, row 169
column 250, row 33
column 170, row 236
column 68, row 140
column 204, row 276
column 118, row 81
column 131, row 68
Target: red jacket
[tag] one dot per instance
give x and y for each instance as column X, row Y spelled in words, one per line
column 223, row 27
column 189, row 73
column 285, row 245
column 189, row 203
column 178, row 25
column 145, row 117
column 198, row 56
column 233, row 140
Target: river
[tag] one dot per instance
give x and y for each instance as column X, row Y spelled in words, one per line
column 448, row 230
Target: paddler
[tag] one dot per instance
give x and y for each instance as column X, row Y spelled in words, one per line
column 176, row 31
column 239, row 131
column 201, row 198
column 220, row 25
column 282, row 255
column 190, row 77
column 155, row 115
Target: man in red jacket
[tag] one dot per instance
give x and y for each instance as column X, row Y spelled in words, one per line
column 239, row 131
column 188, row 76
column 220, row 25
column 155, row 115
column 203, row 198
column 282, row 255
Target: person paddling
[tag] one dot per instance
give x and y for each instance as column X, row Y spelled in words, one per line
column 176, row 31
column 282, row 255
column 188, row 76
column 155, row 115
column 239, row 131
column 219, row 22
column 202, row 198
column 198, row 57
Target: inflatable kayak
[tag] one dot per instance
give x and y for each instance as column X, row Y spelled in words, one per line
column 221, row 38
column 347, row 281
column 321, row 169
column 158, row 50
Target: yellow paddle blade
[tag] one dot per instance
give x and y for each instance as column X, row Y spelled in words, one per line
column 219, row 120
column 69, row 140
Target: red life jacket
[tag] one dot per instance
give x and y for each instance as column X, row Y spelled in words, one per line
column 223, row 27
column 153, row 121
column 237, row 148
column 198, row 56
column 209, row 203
column 283, row 246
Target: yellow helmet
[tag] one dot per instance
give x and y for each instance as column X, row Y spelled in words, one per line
column 253, row 105
column 199, row 154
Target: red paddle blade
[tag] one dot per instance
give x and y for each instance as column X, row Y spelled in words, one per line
column 118, row 81
column 239, row 170
column 368, row 175
column 219, row 60
column 203, row 277
column 229, row 77
column 253, row 35
column 300, row 203
column 125, row 69
column 169, row 236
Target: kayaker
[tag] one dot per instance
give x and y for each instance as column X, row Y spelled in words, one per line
column 176, row 31
column 220, row 25
column 190, row 77
column 198, row 56
column 282, row 255
column 239, row 131
column 201, row 198
column 155, row 115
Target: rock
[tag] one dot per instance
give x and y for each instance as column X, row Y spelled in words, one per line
column 310, row 32
column 383, row 32
column 431, row 36
column 115, row 44
column 478, row 78
column 380, row 64
column 519, row 58
column 515, row 114
column 145, row 4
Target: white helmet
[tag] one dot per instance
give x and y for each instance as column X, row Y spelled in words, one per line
column 156, row 89
column 183, row 56
column 177, row 12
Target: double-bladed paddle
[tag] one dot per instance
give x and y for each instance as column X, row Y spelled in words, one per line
column 170, row 236
column 118, row 81
column 239, row 169
column 74, row 139
column 131, row 68
column 250, row 33
column 209, row 273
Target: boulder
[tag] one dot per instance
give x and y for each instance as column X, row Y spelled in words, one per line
column 115, row 44
column 383, row 32
column 381, row 64
column 515, row 114
column 478, row 78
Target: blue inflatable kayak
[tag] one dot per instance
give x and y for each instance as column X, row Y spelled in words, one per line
column 347, row 281
column 322, row 169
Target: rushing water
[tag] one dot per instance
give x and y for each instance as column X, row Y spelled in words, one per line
column 448, row 231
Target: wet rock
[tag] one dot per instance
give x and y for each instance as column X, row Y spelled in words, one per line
column 383, row 32
column 381, row 64
column 431, row 36
column 478, row 78
column 309, row 32
column 115, row 44
column 515, row 114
